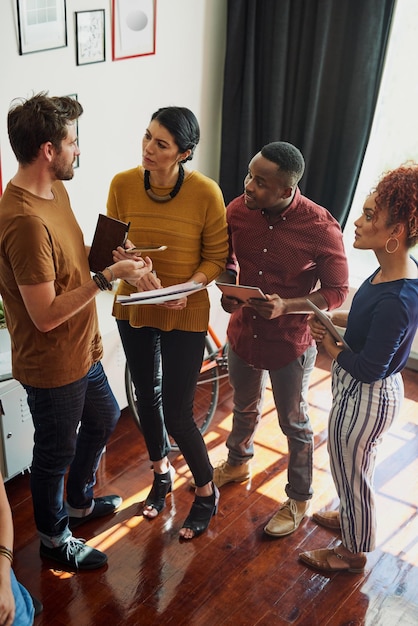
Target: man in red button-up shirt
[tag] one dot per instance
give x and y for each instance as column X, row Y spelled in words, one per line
column 291, row 248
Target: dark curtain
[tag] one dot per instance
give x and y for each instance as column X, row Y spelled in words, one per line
column 306, row 72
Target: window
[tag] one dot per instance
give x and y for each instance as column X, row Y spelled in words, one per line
column 393, row 139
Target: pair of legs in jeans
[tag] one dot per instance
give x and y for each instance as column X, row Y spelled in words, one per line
column 72, row 426
column 290, row 388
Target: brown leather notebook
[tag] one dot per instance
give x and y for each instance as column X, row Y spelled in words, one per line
column 109, row 234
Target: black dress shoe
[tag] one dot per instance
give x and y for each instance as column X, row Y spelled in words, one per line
column 203, row 508
column 74, row 554
column 106, row 505
column 161, row 487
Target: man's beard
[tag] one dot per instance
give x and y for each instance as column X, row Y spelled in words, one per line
column 62, row 171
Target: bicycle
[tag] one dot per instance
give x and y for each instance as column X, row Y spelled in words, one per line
column 214, row 368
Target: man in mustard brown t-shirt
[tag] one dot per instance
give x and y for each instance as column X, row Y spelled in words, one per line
column 49, row 301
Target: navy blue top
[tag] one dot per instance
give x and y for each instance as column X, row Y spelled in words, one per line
column 381, row 327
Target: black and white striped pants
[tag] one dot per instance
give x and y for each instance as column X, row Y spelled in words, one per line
column 361, row 413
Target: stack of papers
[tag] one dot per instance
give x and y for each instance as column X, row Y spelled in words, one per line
column 158, row 296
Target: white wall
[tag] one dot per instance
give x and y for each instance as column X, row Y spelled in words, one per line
column 119, row 96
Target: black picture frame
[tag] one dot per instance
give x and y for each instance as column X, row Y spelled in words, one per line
column 41, row 26
column 90, row 37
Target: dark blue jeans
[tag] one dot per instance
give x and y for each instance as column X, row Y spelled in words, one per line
column 72, row 425
column 165, row 367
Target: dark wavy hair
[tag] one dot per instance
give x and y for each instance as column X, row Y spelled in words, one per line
column 289, row 159
column 32, row 122
column 397, row 191
column 182, row 124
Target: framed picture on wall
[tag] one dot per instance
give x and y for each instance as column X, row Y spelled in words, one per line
column 77, row 159
column 133, row 28
column 90, row 36
column 42, row 25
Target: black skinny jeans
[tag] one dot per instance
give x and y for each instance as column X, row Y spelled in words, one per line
column 165, row 367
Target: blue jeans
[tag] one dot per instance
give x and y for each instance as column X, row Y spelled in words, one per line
column 23, row 603
column 165, row 367
column 290, row 388
column 72, row 426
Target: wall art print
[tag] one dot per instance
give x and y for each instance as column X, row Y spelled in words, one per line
column 42, row 25
column 133, row 28
column 90, row 36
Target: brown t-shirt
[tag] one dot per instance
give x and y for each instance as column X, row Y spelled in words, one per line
column 40, row 241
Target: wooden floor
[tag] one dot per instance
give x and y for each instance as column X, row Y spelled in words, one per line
column 234, row 574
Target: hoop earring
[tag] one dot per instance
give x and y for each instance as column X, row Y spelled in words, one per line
column 396, row 248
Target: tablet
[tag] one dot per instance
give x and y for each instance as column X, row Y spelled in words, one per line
column 324, row 319
column 241, row 292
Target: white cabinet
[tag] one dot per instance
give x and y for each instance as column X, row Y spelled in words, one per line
column 16, row 429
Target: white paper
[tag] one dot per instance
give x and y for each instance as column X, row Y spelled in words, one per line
column 158, row 296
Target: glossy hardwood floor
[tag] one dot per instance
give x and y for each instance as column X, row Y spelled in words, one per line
column 234, row 574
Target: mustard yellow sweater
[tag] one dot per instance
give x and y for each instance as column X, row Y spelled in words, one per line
column 193, row 227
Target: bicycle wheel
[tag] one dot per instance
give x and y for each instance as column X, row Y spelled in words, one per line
column 205, row 401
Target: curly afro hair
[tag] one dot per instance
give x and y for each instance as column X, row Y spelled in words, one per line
column 397, row 191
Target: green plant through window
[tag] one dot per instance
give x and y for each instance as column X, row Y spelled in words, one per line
column 2, row 316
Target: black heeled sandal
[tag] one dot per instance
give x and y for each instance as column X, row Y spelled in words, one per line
column 161, row 487
column 203, row 508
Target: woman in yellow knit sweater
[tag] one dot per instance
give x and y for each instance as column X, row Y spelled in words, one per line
column 184, row 210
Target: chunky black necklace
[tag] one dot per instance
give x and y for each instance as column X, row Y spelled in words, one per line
column 172, row 193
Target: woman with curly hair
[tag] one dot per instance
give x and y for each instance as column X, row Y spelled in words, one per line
column 367, row 384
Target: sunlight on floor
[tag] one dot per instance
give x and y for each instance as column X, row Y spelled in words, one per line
column 397, row 516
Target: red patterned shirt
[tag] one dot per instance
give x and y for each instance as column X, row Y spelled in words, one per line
column 302, row 252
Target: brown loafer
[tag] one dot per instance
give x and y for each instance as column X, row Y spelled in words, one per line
column 322, row 560
column 329, row 519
